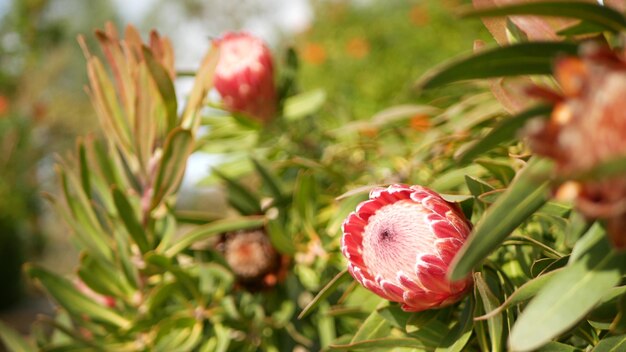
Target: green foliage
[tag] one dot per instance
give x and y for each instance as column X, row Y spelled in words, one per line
column 545, row 277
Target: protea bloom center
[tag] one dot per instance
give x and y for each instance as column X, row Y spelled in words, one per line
column 399, row 245
column 244, row 76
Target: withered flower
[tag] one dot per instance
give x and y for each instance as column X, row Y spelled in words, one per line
column 587, row 127
column 252, row 258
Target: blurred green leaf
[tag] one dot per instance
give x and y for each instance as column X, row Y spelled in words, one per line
column 459, row 335
column 164, row 85
column 13, row 341
column 502, row 132
column 554, row 346
column 84, row 169
column 387, row 343
column 523, row 197
column 604, row 16
column 178, row 146
column 611, row 344
column 103, row 278
column 532, row 58
column 490, row 303
column 280, row 238
column 375, row 326
column 321, row 296
column 305, row 197
column 525, row 292
column 71, row 299
column 215, row 228
column 566, row 297
column 500, row 170
column 245, row 201
column 201, row 86
column 582, row 27
column 269, row 180
column 127, row 214
column 301, row 105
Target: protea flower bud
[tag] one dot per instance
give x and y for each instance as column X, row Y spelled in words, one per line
column 587, row 128
column 253, row 259
column 400, row 242
column 244, row 76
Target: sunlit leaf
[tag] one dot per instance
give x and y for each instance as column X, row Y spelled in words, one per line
column 600, row 268
column 389, row 342
column 611, row 344
column 178, row 146
column 321, row 296
column 533, row 58
column 75, row 302
column 604, row 16
column 299, row 106
column 523, row 197
column 502, row 132
column 13, row 340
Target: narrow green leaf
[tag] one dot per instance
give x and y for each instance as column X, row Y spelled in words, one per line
column 604, row 16
column 490, row 303
column 129, row 218
column 321, row 296
column 178, row 146
column 13, row 341
column 523, row 197
column 389, row 343
column 532, row 58
column 269, row 180
column 554, row 346
column 525, row 292
column 476, row 186
column 502, row 132
column 239, row 197
column 280, row 238
column 611, row 344
column 374, row 327
column 461, row 332
column 580, row 28
column 215, row 228
column 301, row 105
column 164, row 85
column 84, row 169
column 579, row 287
column 71, row 299
column 500, row 170
column 305, row 196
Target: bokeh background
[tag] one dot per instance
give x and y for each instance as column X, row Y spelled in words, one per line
column 365, row 55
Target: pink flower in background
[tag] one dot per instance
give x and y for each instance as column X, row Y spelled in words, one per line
column 244, row 76
column 400, row 242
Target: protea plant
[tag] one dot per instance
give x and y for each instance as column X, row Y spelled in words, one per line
column 400, row 242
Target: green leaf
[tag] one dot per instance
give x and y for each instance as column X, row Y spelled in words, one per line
column 75, row 302
column 301, row 105
column 611, row 344
column 178, row 146
column 580, row 28
column 604, row 16
column 269, row 180
column 388, row 343
column 321, row 296
column 554, row 346
column 13, row 341
column 374, row 327
column 127, row 214
column 519, row 59
column 476, row 186
column 459, row 335
column 164, row 85
column 280, row 238
column 305, row 196
column 525, row 292
column 569, row 295
column 490, row 303
column 500, row 170
column 503, row 132
column 523, row 197
column 239, row 197
column 215, row 228
column 84, row 169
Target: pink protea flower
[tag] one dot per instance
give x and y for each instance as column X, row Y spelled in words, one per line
column 244, row 76
column 400, row 242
